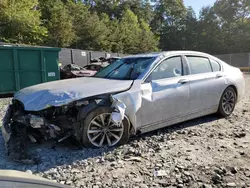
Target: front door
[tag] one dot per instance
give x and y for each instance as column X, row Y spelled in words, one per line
column 165, row 93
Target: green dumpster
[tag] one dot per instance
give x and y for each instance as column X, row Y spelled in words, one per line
column 21, row 67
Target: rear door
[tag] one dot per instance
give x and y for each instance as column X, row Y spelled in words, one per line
column 206, row 83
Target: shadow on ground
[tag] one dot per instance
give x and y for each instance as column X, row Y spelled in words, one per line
column 180, row 126
column 68, row 153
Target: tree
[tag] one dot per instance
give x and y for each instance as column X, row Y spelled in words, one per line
column 91, row 31
column 129, row 32
column 58, row 20
column 209, row 37
column 141, row 8
column 190, row 33
column 127, row 26
column 115, row 8
column 168, row 23
column 148, row 41
column 20, row 22
column 108, row 7
column 233, row 16
column 115, row 36
column 93, row 34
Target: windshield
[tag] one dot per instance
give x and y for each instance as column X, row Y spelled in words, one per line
column 126, row 69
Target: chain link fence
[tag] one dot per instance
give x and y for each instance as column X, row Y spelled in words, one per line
column 241, row 60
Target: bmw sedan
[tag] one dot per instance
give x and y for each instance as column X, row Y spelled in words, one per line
column 134, row 95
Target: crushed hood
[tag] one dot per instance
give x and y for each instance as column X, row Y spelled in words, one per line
column 58, row 93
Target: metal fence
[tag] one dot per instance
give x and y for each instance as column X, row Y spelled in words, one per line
column 241, row 60
column 82, row 57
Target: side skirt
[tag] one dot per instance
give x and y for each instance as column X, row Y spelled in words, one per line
column 179, row 119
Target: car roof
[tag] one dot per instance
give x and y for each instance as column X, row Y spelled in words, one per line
column 152, row 54
column 167, row 53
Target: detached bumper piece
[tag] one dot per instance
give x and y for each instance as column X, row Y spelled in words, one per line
column 17, row 144
column 15, row 136
column 19, row 129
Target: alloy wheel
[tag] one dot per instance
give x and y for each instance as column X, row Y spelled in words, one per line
column 103, row 131
column 228, row 101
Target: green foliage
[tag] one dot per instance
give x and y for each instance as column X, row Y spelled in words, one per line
column 20, row 22
column 127, row 26
column 233, row 18
column 58, row 21
column 129, row 31
column 148, row 42
column 92, row 34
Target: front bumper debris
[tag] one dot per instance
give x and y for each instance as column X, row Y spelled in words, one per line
column 21, row 127
column 17, row 132
column 5, row 124
column 14, row 134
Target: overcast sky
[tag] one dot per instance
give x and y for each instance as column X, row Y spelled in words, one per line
column 198, row 4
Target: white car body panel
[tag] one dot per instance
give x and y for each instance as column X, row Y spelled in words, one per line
column 58, row 93
column 151, row 105
column 199, row 97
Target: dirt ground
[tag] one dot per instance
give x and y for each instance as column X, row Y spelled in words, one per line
column 206, row 152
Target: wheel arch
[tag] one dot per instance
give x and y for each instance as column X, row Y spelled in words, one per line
column 93, row 113
column 221, row 111
column 83, row 112
column 107, row 101
column 235, row 89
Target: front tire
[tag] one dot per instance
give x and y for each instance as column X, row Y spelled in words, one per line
column 227, row 102
column 98, row 130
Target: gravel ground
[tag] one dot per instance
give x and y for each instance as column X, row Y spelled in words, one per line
column 206, row 152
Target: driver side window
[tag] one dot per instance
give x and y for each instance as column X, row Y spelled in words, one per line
column 171, row 67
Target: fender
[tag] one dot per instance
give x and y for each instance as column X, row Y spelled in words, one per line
column 83, row 112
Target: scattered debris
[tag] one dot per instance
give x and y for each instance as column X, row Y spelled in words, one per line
column 242, row 153
column 247, row 173
column 231, row 184
column 234, row 170
column 119, row 112
column 160, row 173
column 217, row 178
column 91, row 167
column 239, row 134
column 136, row 159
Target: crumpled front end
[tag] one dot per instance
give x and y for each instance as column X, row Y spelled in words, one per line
column 6, row 132
column 14, row 134
column 21, row 127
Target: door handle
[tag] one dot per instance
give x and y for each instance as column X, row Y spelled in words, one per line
column 219, row 76
column 183, row 81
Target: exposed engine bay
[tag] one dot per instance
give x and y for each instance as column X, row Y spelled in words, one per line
column 55, row 123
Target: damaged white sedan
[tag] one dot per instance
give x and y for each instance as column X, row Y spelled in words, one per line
column 134, row 95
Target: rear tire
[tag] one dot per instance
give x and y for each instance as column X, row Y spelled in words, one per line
column 227, row 102
column 98, row 130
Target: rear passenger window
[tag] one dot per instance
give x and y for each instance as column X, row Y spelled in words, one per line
column 215, row 65
column 199, row 65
